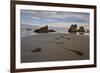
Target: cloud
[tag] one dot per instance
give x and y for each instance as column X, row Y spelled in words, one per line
column 54, row 16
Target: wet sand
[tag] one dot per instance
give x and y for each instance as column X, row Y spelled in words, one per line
column 54, row 47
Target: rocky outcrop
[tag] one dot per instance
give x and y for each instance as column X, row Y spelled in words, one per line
column 51, row 30
column 73, row 28
column 43, row 30
column 81, row 29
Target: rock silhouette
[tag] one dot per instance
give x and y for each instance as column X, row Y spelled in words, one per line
column 81, row 29
column 43, row 30
column 51, row 30
column 73, row 28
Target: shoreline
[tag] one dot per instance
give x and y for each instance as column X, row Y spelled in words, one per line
column 33, row 34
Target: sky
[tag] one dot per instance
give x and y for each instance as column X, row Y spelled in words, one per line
column 41, row 17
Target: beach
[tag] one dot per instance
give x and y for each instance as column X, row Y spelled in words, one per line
column 54, row 47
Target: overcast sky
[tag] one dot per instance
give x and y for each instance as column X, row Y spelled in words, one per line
column 38, row 17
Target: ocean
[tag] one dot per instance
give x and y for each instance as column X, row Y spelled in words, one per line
column 28, row 31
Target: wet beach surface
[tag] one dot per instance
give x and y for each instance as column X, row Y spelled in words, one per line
column 54, row 47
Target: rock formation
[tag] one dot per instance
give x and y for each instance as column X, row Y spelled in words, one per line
column 43, row 30
column 73, row 28
column 81, row 29
column 51, row 30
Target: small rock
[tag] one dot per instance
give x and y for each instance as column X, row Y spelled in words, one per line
column 36, row 50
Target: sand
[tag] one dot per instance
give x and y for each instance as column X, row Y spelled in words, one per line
column 54, row 47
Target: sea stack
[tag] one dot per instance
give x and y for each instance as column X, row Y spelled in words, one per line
column 81, row 29
column 42, row 29
column 73, row 28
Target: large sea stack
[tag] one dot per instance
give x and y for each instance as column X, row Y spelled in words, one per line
column 43, row 30
column 73, row 28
